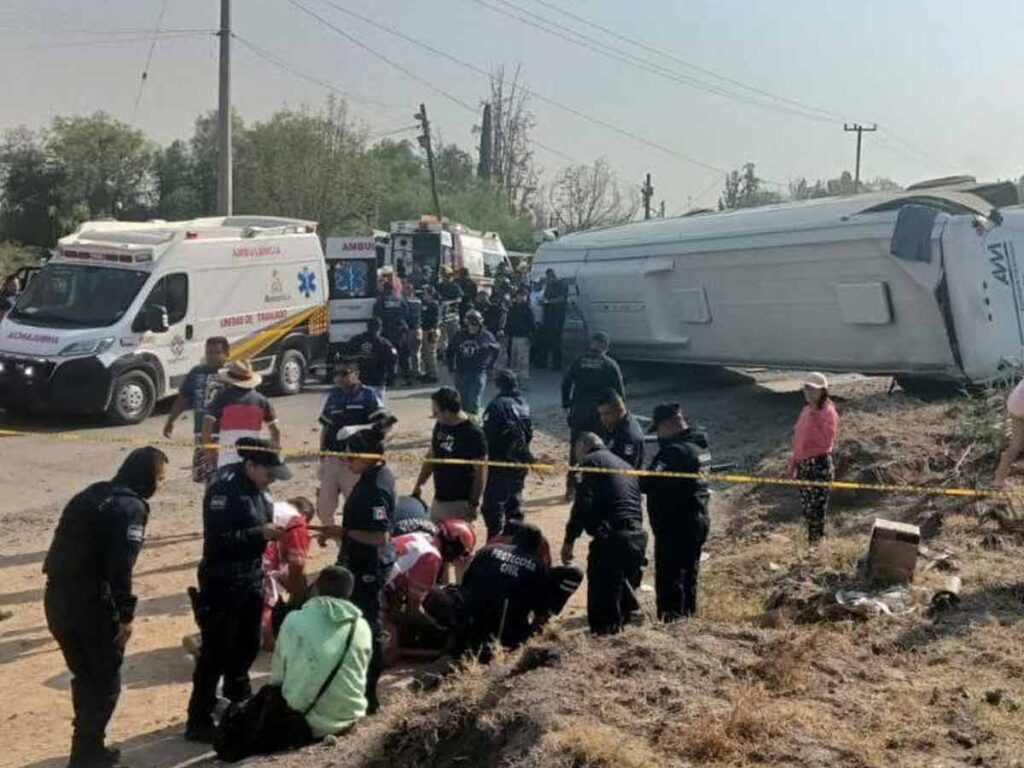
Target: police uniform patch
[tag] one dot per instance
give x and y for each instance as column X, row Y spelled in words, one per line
column 380, row 513
column 628, row 449
column 218, row 503
column 136, row 533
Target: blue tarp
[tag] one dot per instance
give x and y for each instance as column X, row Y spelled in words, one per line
column 912, row 238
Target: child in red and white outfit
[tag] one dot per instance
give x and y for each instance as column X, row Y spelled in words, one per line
column 813, row 442
column 284, row 561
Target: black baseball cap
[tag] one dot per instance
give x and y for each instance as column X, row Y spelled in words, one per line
column 663, row 412
column 505, row 379
column 262, row 453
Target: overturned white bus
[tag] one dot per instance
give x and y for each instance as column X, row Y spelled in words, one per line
column 924, row 284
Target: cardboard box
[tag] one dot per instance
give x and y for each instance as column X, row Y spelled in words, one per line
column 892, row 557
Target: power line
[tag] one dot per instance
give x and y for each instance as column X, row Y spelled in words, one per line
column 832, row 116
column 265, row 55
column 409, row 73
column 149, row 58
column 484, row 73
column 617, row 54
column 100, row 43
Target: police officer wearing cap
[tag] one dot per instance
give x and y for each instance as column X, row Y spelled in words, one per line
column 678, row 511
column 588, row 378
column 509, row 431
column 608, row 506
column 237, row 524
column 89, row 600
column 366, row 548
column 622, row 432
column 393, row 310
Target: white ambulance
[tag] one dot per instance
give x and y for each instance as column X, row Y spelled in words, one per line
column 116, row 319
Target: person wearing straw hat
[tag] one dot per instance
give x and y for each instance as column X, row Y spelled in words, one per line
column 239, row 411
column 813, row 441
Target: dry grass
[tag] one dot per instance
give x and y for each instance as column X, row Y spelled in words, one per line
column 752, row 719
column 593, row 745
column 784, row 666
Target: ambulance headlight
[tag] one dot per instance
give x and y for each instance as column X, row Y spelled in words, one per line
column 29, row 371
column 91, row 347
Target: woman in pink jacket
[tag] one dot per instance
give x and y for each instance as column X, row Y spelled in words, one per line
column 813, row 442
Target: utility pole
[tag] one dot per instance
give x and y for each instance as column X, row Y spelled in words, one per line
column 859, row 129
column 421, row 116
column 661, row 210
column 648, row 192
column 224, row 194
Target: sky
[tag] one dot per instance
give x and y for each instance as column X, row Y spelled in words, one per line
column 939, row 77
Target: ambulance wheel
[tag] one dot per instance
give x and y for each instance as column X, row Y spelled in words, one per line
column 291, row 373
column 133, row 398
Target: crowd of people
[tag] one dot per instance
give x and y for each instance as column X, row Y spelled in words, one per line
column 411, row 578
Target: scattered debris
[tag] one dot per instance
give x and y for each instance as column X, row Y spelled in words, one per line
column 893, row 602
column 892, row 556
column 948, row 596
column 942, row 560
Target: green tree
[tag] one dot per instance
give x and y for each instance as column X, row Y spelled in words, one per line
column 745, row 189
column 107, row 165
column 31, row 184
column 306, row 165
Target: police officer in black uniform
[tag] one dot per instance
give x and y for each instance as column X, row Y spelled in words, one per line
column 89, row 602
column 366, row 548
column 678, row 511
column 622, row 432
column 587, row 379
column 509, row 431
column 609, row 508
column 410, row 362
column 237, row 524
column 507, row 594
column 376, row 356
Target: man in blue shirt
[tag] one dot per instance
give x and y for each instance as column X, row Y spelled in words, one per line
column 472, row 354
column 197, row 391
column 350, row 402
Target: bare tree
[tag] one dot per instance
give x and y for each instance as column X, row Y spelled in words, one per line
column 511, row 162
column 587, row 196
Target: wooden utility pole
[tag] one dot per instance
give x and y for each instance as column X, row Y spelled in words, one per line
column 648, row 192
column 224, row 191
column 859, row 129
column 421, row 116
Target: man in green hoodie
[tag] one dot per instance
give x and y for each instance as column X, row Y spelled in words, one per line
column 313, row 640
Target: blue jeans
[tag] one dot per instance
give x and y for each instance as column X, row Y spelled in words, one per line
column 470, row 385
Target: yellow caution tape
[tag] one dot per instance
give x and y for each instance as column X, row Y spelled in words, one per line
column 559, row 467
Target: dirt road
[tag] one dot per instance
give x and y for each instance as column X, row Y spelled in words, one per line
column 747, row 415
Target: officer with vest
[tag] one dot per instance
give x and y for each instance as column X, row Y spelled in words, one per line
column 678, row 511
column 238, row 518
column 608, row 506
column 89, row 601
column 509, row 431
column 622, row 432
column 589, row 376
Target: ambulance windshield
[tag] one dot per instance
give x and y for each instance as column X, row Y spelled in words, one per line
column 78, row 296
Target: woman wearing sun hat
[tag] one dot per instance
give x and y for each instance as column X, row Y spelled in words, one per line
column 813, row 441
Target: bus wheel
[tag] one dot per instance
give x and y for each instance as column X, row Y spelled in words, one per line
column 291, row 373
column 133, row 398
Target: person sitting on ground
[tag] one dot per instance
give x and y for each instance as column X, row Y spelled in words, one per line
column 317, row 677
column 284, row 565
